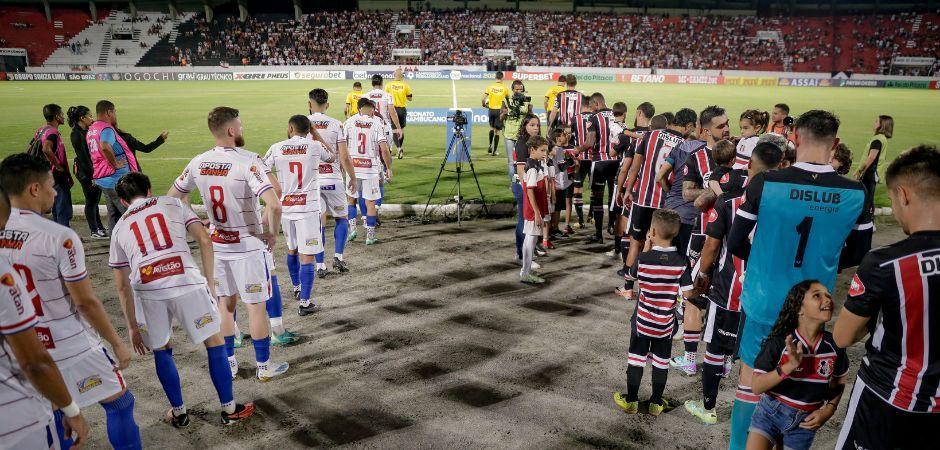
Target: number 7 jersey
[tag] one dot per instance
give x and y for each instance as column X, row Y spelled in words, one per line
column 803, row 215
column 230, row 181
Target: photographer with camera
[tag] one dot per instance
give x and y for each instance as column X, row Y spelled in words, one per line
column 515, row 106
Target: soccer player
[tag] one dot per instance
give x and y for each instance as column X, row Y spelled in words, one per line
column 165, row 284
column 385, row 108
column 894, row 402
column 27, row 368
column 567, row 103
column 352, row 100
column 625, row 146
column 800, row 217
column 579, row 131
column 51, row 261
column 647, row 196
column 721, row 277
column 297, row 163
column 230, row 181
column 370, row 154
column 699, row 167
column 603, row 160
column 493, row 98
column 401, row 95
column 552, row 93
column 663, row 275
column 330, row 179
column 672, row 181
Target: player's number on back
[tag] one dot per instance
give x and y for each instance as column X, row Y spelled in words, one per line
column 362, row 143
column 297, row 168
column 803, row 230
column 217, row 195
column 153, row 223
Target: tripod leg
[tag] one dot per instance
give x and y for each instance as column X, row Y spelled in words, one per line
column 475, row 179
column 439, row 173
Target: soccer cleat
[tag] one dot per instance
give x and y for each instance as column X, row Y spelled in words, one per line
column 273, row 370
column 489, row 150
column 539, row 250
column 536, row 266
column 322, row 273
column 241, row 412
column 239, row 339
column 657, row 409
column 296, row 290
column 549, row 245
column 353, row 234
column 309, row 309
column 401, row 153
column 628, row 407
column 568, row 231
column 594, row 239
column 624, row 292
column 697, row 409
column 495, row 152
column 284, row 339
column 682, row 365
column 372, row 241
column 99, row 235
column 180, row 421
column 531, row 279
column 340, row 265
column 622, row 272
column 612, row 254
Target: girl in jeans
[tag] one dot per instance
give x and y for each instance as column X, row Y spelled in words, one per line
column 800, row 372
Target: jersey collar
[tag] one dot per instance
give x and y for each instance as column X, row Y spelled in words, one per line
column 813, row 167
column 814, row 347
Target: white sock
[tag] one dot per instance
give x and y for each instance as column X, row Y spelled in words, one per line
column 528, row 249
column 277, row 324
column 370, row 232
column 321, row 266
column 338, row 256
column 229, row 407
column 263, row 366
column 179, row 411
column 304, row 302
column 690, row 357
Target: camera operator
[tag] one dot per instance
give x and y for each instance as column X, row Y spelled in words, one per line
column 515, row 107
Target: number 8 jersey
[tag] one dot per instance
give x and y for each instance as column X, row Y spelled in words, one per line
column 150, row 239
column 230, row 181
column 803, row 215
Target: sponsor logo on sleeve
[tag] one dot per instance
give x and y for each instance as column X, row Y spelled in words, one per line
column 161, row 269
column 70, row 252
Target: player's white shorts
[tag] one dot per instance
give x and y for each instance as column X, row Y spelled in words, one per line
column 304, row 234
column 92, row 378
column 333, row 199
column 248, row 277
column 39, row 437
column 530, row 228
column 368, row 188
column 196, row 311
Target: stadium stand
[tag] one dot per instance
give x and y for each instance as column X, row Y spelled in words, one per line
column 25, row 27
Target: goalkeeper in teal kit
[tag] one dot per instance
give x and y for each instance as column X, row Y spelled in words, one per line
column 805, row 220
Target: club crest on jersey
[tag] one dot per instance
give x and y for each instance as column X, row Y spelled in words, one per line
column 161, row 269
column 712, row 215
column 685, row 170
column 86, row 384
column 200, row 322
column 293, row 150
column 294, row 200
column 725, row 178
column 214, row 169
column 13, row 239
column 857, row 287
column 824, row 367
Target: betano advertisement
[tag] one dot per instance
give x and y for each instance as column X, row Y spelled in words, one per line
column 584, row 75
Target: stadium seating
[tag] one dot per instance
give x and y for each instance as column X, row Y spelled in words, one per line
column 26, row 27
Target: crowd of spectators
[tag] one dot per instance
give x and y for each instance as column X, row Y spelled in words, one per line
column 860, row 43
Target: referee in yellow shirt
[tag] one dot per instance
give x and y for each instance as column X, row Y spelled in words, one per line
column 401, row 95
column 352, row 100
column 493, row 98
column 552, row 93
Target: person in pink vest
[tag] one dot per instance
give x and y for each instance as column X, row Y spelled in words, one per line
column 54, row 148
column 110, row 158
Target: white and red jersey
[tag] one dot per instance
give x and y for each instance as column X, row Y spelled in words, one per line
column 48, row 255
column 297, row 163
column 25, row 411
column 743, row 152
column 150, row 239
column 230, row 182
column 382, row 101
column 364, row 135
column 331, row 130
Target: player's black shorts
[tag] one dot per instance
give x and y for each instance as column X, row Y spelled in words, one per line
column 640, row 219
column 584, row 168
column 871, row 423
column 495, row 121
column 402, row 115
column 696, row 244
column 603, row 173
column 561, row 195
column 659, row 349
column 721, row 328
column 681, row 241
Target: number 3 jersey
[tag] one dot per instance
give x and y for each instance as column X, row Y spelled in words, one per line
column 47, row 255
column 364, row 135
column 230, row 182
column 297, row 163
column 150, row 239
column 803, row 215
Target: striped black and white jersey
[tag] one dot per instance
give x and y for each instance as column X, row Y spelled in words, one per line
column 602, row 122
column 661, row 274
column 894, row 287
column 698, row 169
column 654, row 148
column 727, row 282
column 579, row 130
column 568, row 105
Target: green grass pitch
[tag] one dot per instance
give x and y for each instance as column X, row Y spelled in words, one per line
column 146, row 108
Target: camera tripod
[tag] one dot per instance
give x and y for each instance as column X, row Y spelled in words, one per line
column 458, row 139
